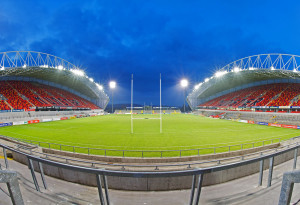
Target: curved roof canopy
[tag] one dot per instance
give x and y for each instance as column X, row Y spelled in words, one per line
column 49, row 68
column 245, row 71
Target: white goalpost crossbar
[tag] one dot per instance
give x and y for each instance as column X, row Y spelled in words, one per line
column 131, row 113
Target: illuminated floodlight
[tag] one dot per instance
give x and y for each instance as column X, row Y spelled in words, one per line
column 220, row 73
column 272, row 68
column 24, row 66
column 295, row 70
column 60, row 67
column 91, row 79
column 251, row 68
column 77, row 72
column 197, row 86
column 44, row 66
column 206, row 80
column 100, row 87
column 2, row 68
column 112, row 84
column 184, row 83
column 236, row 69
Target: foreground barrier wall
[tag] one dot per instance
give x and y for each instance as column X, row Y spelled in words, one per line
column 156, row 184
column 19, row 115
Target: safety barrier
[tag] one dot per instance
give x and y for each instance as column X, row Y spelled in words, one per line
column 101, row 174
column 148, row 153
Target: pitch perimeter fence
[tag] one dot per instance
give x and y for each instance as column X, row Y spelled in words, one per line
column 147, row 153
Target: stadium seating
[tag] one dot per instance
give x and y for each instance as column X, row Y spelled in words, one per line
column 280, row 94
column 24, row 95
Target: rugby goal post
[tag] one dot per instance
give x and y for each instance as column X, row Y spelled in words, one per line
column 139, row 118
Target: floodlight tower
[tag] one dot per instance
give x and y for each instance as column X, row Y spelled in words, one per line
column 112, row 85
column 184, row 83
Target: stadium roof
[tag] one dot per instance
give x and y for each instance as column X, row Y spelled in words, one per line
column 245, row 71
column 49, row 68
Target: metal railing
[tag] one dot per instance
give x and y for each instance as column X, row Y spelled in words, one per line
column 195, row 173
column 148, row 153
column 156, row 167
column 11, row 179
column 288, row 180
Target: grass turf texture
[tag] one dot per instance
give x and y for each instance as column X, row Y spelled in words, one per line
column 180, row 132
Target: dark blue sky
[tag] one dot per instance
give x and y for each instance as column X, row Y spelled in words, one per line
column 114, row 38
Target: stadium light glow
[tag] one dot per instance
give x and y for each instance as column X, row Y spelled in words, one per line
column 2, row 68
column 91, row 79
column 220, row 73
column 206, row 80
column 272, row 68
column 100, row 87
column 295, row 70
column 197, row 86
column 24, row 66
column 77, row 72
column 184, row 83
column 236, row 69
column 60, row 67
column 112, row 84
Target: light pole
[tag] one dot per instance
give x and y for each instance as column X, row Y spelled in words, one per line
column 184, row 83
column 112, row 85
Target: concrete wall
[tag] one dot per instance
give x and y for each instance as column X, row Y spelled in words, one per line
column 19, row 116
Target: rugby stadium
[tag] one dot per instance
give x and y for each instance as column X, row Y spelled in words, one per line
column 244, row 124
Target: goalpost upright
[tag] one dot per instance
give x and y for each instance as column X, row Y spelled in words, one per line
column 131, row 111
column 131, row 103
column 160, row 103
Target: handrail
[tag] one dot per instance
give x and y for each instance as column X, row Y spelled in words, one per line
column 157, row 166
column 141, row 153
column 150, row 173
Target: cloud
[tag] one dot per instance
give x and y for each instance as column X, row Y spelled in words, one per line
column 113, row 39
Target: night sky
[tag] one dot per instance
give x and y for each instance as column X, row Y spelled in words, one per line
column 112, row 39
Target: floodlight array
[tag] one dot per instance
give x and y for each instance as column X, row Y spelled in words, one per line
column 31, row 60
column 285, row 64
column 236, row 69
column 60, row 67
column 100, row 87
column 77, row 72
column 220, row 73
column 197, row 86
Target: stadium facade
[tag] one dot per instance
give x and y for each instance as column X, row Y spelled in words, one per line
column 24, row 72
column 259, row 72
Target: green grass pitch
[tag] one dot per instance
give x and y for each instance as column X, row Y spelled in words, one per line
column 180, row 132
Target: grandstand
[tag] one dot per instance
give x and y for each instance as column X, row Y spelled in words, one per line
column 267, row 82
column 34, row 81
column 279, row 94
